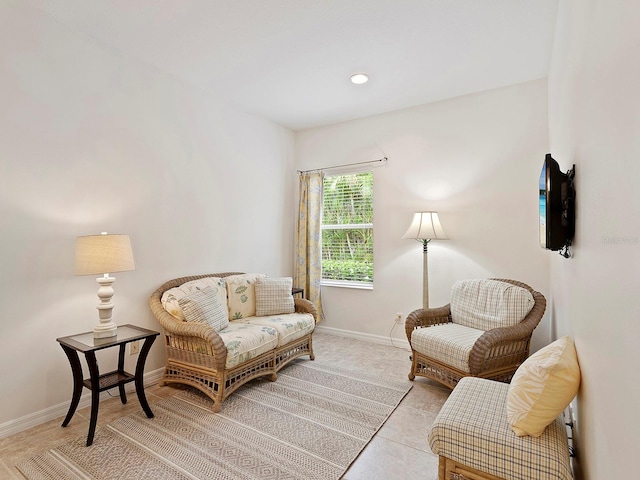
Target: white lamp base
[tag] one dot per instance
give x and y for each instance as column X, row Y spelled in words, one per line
column 102, row 330
column 106, row 328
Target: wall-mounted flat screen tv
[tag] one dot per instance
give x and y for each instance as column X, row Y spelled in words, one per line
column 557, row 216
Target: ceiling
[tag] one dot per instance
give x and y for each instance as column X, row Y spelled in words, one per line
column 290, row 60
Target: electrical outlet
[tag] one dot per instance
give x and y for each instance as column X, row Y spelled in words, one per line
column 399, row 320
column 134, row 347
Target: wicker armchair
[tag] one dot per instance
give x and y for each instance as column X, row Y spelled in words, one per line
column 197, row 356
column 496, row 354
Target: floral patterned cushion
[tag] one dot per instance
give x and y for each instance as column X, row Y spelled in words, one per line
column 241, row 293
column 204, row 306
column 273, row 296
column 170, row 298
column 290, row 327
column 244, row 341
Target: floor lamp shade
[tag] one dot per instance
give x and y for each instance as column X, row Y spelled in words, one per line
column 104, row 254
column 424, row 227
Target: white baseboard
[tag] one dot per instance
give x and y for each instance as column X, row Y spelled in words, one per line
column 365, row 337
column 51, row 413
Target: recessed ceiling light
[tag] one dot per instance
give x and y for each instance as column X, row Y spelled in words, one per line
column 359, row 78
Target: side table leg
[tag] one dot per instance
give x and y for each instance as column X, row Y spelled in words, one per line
column 142, row 358
column 123, row 395
column 76, row 369
column 95, row 394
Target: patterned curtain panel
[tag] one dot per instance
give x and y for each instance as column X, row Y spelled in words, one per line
column 308, row 268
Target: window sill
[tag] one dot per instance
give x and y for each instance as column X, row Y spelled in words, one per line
column 346, row 284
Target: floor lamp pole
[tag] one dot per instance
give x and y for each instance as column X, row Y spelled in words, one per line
column 425, row 274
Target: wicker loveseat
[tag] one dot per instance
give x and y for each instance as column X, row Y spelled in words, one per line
column 485, row 331
column 219, row 360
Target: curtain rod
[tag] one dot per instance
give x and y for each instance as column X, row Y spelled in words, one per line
column 383, row 159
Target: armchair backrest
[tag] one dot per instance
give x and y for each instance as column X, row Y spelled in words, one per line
column 486, row 303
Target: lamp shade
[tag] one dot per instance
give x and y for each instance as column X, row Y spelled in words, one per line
column 425, row 226
column 96, row 254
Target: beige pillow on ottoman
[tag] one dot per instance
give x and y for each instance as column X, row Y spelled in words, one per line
column 203, row 306
column 542, row 387
column 273, row 296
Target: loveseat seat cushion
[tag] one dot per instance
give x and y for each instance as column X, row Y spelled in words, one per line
column 241, row 293
column 170, row 298
column 449, row 343
column 486, row 304
column 290, row 327
column 472, row 429
column 244, row 341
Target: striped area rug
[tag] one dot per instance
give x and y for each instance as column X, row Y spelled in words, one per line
column 309, row 424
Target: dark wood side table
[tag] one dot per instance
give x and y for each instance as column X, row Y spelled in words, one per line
column 85, row 343
column 296, row 290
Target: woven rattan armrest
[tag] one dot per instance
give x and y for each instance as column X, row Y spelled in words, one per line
column 192, row 333
column 305, row 306
column 426, row 317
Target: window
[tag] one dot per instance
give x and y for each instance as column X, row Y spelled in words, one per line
column 347, row 230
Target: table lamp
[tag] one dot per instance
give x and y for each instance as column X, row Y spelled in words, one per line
column 104, row 254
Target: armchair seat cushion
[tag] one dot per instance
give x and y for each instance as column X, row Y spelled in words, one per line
column 449, row 343
column 485, row 304
column 290, row 327
column 245, row 342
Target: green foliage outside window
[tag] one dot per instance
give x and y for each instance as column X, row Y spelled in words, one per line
column 347, row 228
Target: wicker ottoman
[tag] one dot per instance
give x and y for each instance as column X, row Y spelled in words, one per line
column 473, row 438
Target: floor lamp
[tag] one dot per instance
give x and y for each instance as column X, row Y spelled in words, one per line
column 425, row 227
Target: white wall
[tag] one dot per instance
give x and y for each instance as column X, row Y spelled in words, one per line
column 92, row 140
column 594, row 118
column 475, row 159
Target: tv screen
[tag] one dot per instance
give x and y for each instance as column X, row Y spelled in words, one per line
column 543, row 206
column 556, row 206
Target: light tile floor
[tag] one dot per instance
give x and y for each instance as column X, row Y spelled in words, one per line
column 398, row 451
